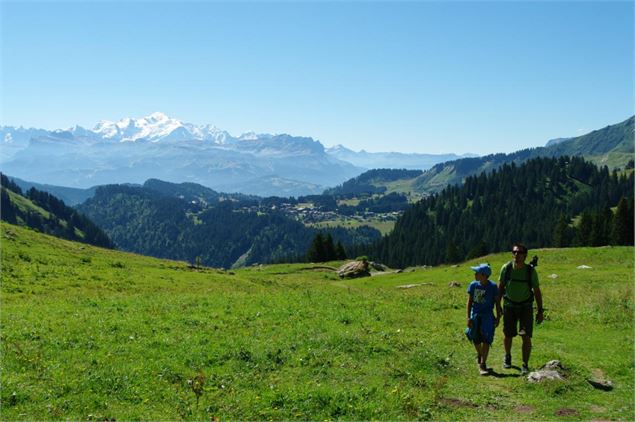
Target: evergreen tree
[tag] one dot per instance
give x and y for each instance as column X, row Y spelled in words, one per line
column 317, row 250
column 561, row 233
column 479, row 250
column 340, row 252
column 622, row 232
column 329, row 249
column 585, row 228
column 452, row 254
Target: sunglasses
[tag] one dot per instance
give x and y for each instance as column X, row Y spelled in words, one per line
column 519, row 252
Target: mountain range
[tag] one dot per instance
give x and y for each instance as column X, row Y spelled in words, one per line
column 157, row 146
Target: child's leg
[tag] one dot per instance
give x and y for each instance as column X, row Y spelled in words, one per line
column 479, row 350
column 484, row 353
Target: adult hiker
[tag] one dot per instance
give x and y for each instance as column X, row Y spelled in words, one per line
column 519, row 286
column 481, row 323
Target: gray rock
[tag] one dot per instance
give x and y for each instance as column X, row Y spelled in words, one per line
column 552, row 370
column 354, row 269
column 605, row 385
column 454, row 284
column 544, row 374
column 379, row 267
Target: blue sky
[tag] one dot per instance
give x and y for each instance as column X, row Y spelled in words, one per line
column 429, row 77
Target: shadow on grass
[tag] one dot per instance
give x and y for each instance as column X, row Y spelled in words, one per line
column 495, row 374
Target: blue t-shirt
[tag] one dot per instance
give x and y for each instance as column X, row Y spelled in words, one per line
column 483, row 297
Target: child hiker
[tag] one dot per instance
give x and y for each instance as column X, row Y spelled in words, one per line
column 480, row 313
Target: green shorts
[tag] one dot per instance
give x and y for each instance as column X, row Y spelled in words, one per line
column 518, row 319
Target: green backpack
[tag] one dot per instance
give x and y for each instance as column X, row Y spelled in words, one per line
column 507, row 278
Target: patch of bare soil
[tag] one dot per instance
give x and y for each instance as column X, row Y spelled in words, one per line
column 566, row 411
column 524, row 409
column 598, row 409
column 457, row 402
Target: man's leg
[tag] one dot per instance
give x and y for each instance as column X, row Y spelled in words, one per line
column 510, row 330
column 526, row 349
column 508, row 345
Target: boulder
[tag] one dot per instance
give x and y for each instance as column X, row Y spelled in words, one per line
column 354, row 269
column 378, row 267
column 552, row 370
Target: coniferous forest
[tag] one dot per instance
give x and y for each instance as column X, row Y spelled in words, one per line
column 54, row 217
column 545, row 202
column 222, row 234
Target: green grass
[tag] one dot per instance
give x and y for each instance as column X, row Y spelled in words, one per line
column 89, row 333
column 384, row 227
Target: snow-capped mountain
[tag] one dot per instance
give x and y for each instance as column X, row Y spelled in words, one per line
column 132, row 150
column 157, row 127
column 373, row 160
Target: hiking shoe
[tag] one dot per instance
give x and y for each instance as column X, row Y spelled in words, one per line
column 482, row 369
column 525, row 369
column 507, row 362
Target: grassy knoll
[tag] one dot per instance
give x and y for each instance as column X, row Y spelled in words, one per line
column 89, row 333
column 383, row 226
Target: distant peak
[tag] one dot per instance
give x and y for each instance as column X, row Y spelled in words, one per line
column 157, row 115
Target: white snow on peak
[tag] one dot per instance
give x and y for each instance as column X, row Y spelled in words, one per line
column 153, row 127
column 158, row 127
column 253, row 136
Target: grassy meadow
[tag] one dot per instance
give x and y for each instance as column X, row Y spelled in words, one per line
column 94, row 334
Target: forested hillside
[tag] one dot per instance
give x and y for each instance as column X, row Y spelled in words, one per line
column 371, row 182
column 612, row 146
column 543, row 202
column 46, row 213
column 222, row 234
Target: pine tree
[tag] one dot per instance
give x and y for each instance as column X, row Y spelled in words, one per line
column 452, row 254
column 340, row 252
column 622, row 232
column 583, row 235
column 329, row 249
column 479, row 250
column 316, row 252
column 561, row 232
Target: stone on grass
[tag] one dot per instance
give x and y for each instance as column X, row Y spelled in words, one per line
column 552, row 370
column 354, row 269
column 583, row 267
column 454, row 284
column 553, row 276
column 605, row 385
column 379, row 267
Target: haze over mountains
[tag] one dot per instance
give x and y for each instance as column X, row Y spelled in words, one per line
column 158, row 146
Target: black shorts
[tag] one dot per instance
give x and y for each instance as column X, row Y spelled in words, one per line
column 513, row 315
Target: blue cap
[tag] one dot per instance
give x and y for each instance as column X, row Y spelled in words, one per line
column 483, row 269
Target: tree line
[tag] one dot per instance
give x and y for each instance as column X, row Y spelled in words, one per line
column 544, row 202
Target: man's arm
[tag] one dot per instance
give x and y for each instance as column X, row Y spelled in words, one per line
column 540, row 313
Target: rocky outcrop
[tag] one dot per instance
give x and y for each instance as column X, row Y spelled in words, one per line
column 354, row 269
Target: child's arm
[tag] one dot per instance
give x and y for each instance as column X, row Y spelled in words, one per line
column 469, row 309
column 499, row 296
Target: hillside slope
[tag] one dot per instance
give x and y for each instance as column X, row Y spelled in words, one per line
column 90, row 333
column 46, row 213
column 613, row 146
column 534, row 202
